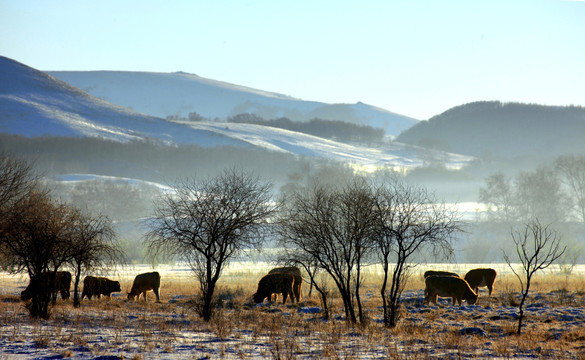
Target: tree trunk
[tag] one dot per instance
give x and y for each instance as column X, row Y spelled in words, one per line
column 383, row 294
column 349, row 310
column 394, row 292
column 76, row 299
column 39, row 307
column 324, row 303
column 357, row 296
column 521, row 311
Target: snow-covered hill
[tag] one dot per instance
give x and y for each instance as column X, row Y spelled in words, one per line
column 33, row 103
column 164, row 94
column 393, row 154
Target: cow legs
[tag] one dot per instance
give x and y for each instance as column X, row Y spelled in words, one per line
column 490, row 289
column 156, row 294
column 298, row 292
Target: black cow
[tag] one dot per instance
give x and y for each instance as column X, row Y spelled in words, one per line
column 98, row 286
column 143, row 283
column 62, row 285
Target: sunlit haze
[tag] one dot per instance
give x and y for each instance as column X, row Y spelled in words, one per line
column 416, row 58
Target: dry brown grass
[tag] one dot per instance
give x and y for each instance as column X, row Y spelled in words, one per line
column 138, row 328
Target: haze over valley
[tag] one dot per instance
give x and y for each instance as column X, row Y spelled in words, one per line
column 131, row 135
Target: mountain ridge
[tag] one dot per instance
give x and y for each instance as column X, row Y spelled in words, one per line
column 179, row 93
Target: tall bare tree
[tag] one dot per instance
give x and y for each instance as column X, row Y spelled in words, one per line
column 572, row 172
column 410, row 219
column 334, row 226
column 16, row 181
column 36, row 239
column 537, row 247
column 209, row 222
column 498, row 196
column 93, row 246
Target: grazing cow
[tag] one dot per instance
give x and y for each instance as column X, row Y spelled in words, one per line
column 143, row 283
column 296, row 273
column 481, row 277
column 448, row 286
column 439, row 273
column 62, row 285
column 274, row 283
column 98, row 286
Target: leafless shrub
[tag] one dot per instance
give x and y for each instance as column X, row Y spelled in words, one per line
column 537, row 248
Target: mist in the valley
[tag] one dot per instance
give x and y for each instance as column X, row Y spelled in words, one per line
column 523, row 169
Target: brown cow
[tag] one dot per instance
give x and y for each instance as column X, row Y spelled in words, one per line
column 274, row 283
column 62, row 285
column 481, row 277
column 439, row 273
column 98, row 286
column 143, row 283
column 448, row 286
column 296, row 273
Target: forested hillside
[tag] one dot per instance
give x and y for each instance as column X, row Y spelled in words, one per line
column 508, row 130
column 143, row 160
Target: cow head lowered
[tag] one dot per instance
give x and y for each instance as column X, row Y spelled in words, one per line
column 275, row 283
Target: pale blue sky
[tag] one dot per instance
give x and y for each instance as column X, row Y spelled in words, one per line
column 417, row 58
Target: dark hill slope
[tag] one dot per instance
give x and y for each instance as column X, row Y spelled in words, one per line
column 505, row 130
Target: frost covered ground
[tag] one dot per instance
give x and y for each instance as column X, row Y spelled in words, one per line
column 114, row 329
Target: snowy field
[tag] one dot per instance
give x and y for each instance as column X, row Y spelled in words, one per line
column 116, row 329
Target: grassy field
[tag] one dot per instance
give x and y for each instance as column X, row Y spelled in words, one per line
column 115, row 328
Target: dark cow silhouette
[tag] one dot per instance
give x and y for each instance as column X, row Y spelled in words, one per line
column 143, row 283
column 296, row 273
column 477, row 278
column 448, row 286
column 274, row 283
column 98, row 286
column 62, row 285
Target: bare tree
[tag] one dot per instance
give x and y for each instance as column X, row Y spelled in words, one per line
column 36, row 239
column 572, row 171
column 93, row 246
column 16, row 181
column 410, row 220
column 209, row 222
column 537, row 247
column 539, row 195
column 498, row 196
column 333, row 227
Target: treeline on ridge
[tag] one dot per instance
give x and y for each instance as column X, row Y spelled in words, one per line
column 328, row 129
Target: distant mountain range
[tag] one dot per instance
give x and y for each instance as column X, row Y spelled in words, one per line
column 503, row 130
column 178, row 94
column 33, row 103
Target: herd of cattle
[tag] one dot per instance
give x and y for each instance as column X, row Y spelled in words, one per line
column 94, row 286
column 286, row 281
column 448, row 284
